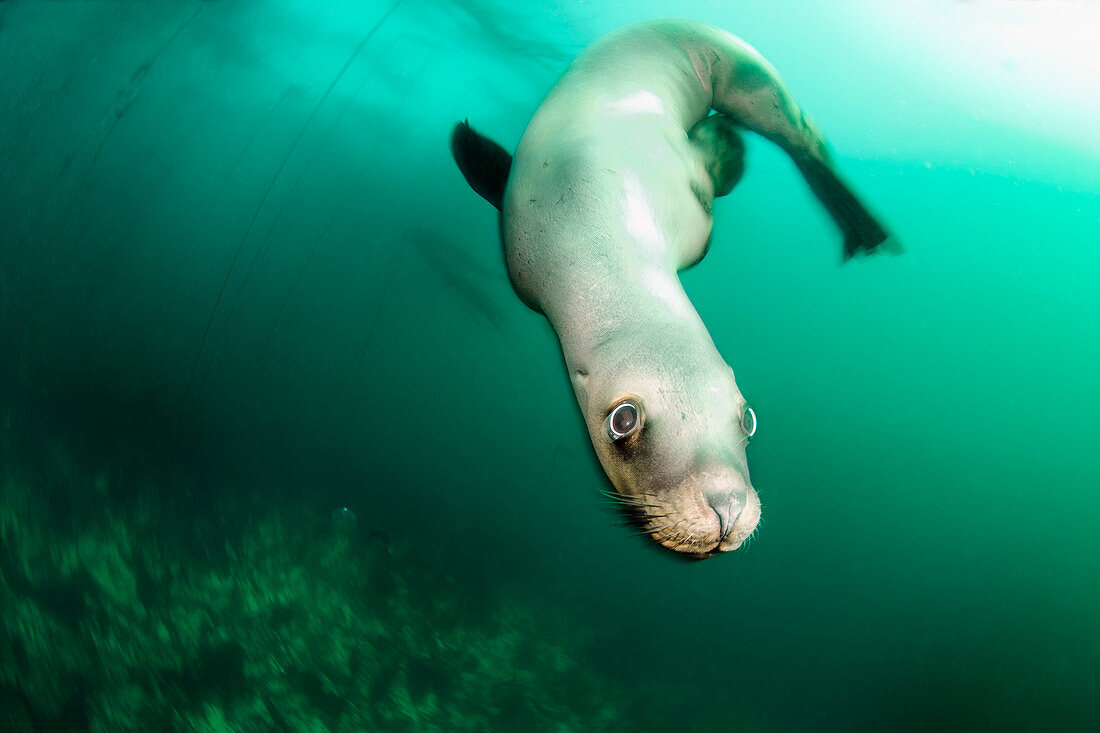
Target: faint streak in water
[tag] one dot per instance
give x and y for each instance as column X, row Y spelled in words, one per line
column 500, row 31
column 301, row 132
column 453, row 265
column 236, row 308
column 293, row 90
column 451, row 262
column 266, row 351
column 389, row 269
column 124, row 100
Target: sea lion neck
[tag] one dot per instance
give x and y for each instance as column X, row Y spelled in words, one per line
column 647, row 311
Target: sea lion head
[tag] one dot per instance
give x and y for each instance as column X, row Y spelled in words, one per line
column 670, row 428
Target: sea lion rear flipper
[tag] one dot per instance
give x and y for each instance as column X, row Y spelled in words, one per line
column 484, row 164
column 862, row 232
column 748, row 89
column 718, row 140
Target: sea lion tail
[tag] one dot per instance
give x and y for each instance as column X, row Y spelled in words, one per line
column 484, row 164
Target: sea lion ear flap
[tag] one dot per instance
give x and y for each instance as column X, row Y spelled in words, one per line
column 579, row 380
column 484, row 164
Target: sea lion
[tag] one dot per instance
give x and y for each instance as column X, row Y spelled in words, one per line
column 608, row 196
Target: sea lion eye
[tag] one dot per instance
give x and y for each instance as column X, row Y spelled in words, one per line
column 624, row 420
column 748, row 422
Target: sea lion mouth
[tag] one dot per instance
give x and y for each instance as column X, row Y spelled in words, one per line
column 698, row 531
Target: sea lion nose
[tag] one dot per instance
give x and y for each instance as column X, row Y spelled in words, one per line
column 728, row 506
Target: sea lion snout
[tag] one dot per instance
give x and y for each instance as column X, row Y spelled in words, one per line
column 699, row 525
column 707, row 512
column 728, row 507
column 734, row 504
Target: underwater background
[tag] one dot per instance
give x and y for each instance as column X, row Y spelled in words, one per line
column 281, row 450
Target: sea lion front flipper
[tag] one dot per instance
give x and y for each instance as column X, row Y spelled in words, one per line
column 484, row 164
column 718, row 140
column 862, row 232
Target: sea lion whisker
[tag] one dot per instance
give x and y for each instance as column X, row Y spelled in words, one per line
column 685, row 539
column 632, row 504
column 629, row 512
column 634, row 498
column 628, row 503
column 619, row 497
column 660, row 529
column 627, row 506
column 655, row 532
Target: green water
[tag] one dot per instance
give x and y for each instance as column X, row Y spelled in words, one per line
column 242, row 285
